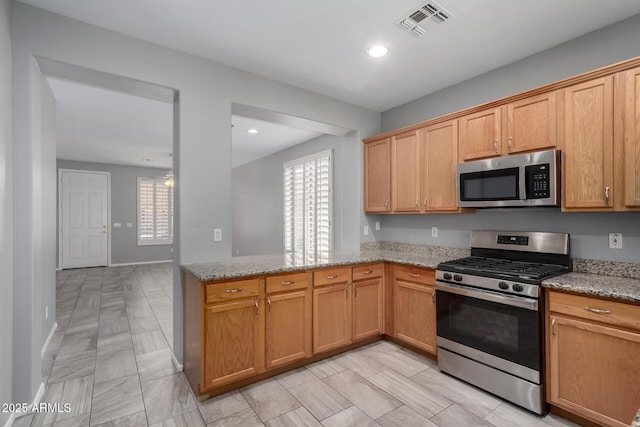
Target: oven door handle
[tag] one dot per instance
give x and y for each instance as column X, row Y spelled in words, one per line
column 514, row 301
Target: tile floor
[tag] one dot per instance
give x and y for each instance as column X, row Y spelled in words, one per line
column 110, row 358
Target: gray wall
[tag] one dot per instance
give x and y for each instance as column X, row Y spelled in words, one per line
column 202, row 159
column 124, row 242
column 6, row 207
column 589, row 230
column 258, row 197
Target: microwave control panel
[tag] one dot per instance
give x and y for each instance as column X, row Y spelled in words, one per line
column 538, row 180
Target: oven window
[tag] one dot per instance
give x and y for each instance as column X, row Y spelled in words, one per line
column 500, row 184
column 511, row 333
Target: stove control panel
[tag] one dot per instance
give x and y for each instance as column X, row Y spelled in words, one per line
column 498, row 285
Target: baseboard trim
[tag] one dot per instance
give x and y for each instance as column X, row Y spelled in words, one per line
column 12, row 418
column 142, row 262
column 46, row 343
column 35, row 403
column 179, row 367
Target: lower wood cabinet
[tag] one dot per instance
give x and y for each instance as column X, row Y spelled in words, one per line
column 288, row 320
column 414, row 307
column 592, row 359
column 234, row 341
column 367, row 301
column 331, row 317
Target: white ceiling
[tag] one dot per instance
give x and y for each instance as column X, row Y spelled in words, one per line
column 320, row 45
column 98, row 125
column 316, row 45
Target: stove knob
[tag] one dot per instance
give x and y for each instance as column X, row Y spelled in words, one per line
column 457, row 277
column 447, row 276
column 518, row 288
column 503, row 285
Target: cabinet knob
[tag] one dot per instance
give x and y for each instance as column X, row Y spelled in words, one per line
column 386, row 204
column 495, row 145
column 510, row 148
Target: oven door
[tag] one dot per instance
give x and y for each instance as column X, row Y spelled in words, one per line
column 499, row 330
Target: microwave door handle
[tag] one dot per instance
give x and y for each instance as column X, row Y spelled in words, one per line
column 522, row 184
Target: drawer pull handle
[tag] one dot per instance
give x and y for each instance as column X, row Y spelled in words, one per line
column 414, row 275
column 335, row 276
column 553, row 327
column 289, row 282
column 346, row 290
column 595, row 310
column 257, row 304
column 233, row 291
column 269, row 304
column 355, row 291
column 367, row 272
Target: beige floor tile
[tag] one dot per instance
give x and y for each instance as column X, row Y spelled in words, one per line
column 325, row 368
column 222, row 406
column 295, row 377
column 167, row 397
column 404, row 417
column 245, row 418
column 319, row 399
column 139, row 419
column 417, row 397
column 110, row 366
column 155, row 364
column 144, row 324
column 115, row 399
column 297, row 418
column 456, row 416
column 69, row 366
column 269, row 399
column 147, row 342
column 349, row 417
column 367, row 397
column 188, row 419
column 509, row 415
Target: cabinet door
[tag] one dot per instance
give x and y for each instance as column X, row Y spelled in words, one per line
column 532, row 124
column 632, row 137
column 439, row 158
column 415, row 314
column 234, row 341
column 480, row 135
column 288, row 327
column 405, row 178
column 331, row 317
column 588, row 153
column 594, row 371
column 367, row 308
column 377, row 176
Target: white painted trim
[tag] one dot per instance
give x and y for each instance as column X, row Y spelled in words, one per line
column 143, row 262
column 36, row 402
column 179, row 367
column 10, row 421
column 46, row 343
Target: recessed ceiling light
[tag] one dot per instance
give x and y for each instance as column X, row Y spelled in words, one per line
column 252, row 131
column 378, row 51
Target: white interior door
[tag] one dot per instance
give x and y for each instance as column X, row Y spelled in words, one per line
column 84, row 218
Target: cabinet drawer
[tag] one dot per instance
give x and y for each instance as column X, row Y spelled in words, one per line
column 287, row 282
column 367, row 271
column 415, row 274
column 600, row 310
column 331, row 276
column 227, row 291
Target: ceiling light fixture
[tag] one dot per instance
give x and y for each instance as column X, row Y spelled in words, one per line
column 252, row 131
column 377, row 51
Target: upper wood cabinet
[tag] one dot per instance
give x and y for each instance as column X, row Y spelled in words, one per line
column 405, row 172
column 532, row 123
column 480, row 135
column 631, row 81
column 588, row 180
column 439, row 156
column 377, row 176
column 529, row 124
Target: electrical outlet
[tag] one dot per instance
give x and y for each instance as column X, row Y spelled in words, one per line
column 366, row 230
column 117, row 225
column 377, row 225
column 217, row 234
column 434, row 231
column 615, row 240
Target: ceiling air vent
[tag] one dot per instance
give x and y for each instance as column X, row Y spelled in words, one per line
column 423, row 18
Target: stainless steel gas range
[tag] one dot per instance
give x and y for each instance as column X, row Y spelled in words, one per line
column 490, row 312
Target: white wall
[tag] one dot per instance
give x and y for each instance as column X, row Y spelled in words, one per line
column 6, row 209
column 206, row 92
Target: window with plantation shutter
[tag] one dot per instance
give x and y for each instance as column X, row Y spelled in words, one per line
column 308, row 204
column 155, row 212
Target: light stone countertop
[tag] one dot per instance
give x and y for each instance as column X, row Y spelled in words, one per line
column 591, row 277
column 259, row 265
column 636, row 420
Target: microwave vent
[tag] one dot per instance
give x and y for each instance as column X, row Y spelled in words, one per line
column 423, row 18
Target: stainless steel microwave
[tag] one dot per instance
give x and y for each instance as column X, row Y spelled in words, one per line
column 531, row 179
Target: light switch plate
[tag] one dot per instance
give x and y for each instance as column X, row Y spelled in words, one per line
column 615, row 240
column 117, row 225
column 217, row 234
column 366, row 230
column 434, row 231
column 377, row 225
